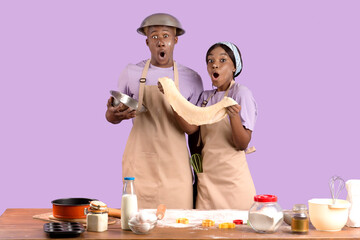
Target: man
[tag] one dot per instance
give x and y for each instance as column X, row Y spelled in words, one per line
column 156, row 153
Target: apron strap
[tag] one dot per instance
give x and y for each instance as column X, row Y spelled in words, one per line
column 205, row 102
column 227, row 90
column 176, row 76
column 250, row 150
column 142, row 83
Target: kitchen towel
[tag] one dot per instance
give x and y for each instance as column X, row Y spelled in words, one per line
column 353, row 189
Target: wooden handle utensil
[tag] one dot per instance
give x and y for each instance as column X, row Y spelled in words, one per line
column 160, row 212
column 113, row 212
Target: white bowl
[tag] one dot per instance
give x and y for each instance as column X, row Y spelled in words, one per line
column 326, row 216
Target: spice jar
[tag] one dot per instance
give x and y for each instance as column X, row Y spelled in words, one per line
column 300, row 219
column 97, row 217
column 265, row 215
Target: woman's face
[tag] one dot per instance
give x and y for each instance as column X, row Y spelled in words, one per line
column 161, row 41
column 220, row 68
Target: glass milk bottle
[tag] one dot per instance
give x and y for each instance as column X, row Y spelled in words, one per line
column 129, row 204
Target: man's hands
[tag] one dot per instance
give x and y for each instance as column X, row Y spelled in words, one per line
column 118, row 113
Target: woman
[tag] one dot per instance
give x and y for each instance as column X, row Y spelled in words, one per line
column 225, row 182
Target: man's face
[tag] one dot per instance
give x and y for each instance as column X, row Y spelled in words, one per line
column 161, row 41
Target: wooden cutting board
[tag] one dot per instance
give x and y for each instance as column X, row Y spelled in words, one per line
column 49, row 217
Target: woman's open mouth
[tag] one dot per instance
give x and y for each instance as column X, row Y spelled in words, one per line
column 215, row 75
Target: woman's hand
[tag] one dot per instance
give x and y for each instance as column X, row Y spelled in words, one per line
column 233, row 111
column 118, row 113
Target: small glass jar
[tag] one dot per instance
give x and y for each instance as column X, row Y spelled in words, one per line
column 97, row 217
column 300, row 219
column 265, row 215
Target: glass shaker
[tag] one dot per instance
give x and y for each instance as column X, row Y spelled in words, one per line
column 300, row 219
column 265, row 215
column 129, row 204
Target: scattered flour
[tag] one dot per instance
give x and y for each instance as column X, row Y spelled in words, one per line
column 196, row 216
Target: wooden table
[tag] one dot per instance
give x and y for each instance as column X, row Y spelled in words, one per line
column 18, row 223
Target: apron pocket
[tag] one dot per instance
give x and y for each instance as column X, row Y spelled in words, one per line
column 146, row 171
column 203, row 197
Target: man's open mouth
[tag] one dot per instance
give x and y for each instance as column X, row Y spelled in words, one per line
column 215, row 75
column 162, row 54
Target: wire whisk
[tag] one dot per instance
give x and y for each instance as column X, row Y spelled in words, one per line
column 196, row 162
column 335, row 191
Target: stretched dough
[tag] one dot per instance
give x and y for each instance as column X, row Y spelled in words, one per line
column 189, row 112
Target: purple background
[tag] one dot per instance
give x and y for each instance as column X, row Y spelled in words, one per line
column 59, row 59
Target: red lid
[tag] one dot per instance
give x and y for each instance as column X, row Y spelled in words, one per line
column 265, row 198
column 238, row 221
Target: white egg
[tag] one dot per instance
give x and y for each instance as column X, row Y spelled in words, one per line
column 143, row 227
column 133, row 221
column 144, row 217
column 135, row 214
column 152, row 218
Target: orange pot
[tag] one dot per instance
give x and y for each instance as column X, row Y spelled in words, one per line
column 70, row 208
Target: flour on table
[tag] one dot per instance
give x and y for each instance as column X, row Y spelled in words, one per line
column 197, row 216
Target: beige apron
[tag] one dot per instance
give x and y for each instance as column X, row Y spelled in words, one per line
column 225, row 182
column 156, row 153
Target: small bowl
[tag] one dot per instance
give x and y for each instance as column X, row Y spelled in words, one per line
column 142, row 228
column 127, row 100
column 288, row 214
column 326, row 216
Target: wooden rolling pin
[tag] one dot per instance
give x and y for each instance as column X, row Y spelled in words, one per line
column 160, row 212
column 113, row 212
